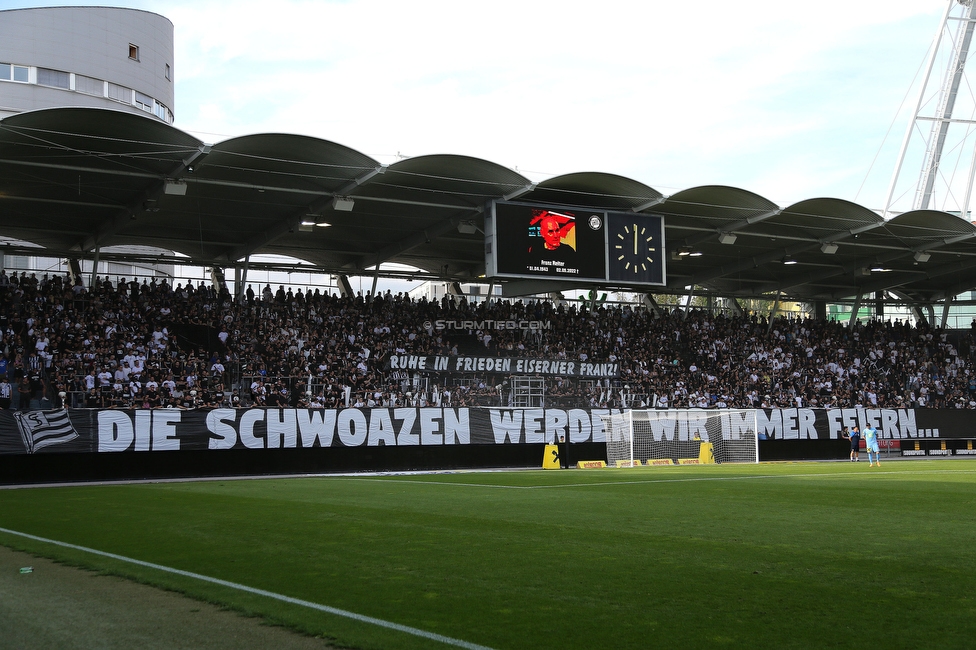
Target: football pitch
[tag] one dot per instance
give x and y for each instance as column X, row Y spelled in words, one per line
column 760, row 556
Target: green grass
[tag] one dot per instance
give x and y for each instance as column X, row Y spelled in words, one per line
column 759, row 556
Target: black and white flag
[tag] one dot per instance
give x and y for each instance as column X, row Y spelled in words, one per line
column 41, row 429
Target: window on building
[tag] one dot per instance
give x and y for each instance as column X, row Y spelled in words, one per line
column 145, row 102
column 53, row 78
column 133, row 52
column 89, row 85
column 160, row 111
column 168, row 73
column 11, row 72
column 119, row 93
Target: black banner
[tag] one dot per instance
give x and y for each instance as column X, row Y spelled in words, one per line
column 106, row 431
column 112, row 431
column 504, row 365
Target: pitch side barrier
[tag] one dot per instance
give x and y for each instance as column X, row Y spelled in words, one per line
column 75, row 444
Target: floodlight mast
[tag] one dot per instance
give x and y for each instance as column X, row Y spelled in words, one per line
column 960, row 39
column 940, row 126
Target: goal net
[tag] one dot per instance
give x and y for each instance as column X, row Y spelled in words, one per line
column 665, row 437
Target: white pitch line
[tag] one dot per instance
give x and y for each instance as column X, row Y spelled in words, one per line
column 431, row 636
column 886, row 473
column 482, row 485
column 570, row 485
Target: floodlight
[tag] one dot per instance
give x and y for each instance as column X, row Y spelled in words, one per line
column 828, row 248
column 922, row 256
column 726, row 238
column 175, row 188
column 343, row 203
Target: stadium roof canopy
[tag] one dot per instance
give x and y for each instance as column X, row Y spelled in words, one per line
column 76, row 180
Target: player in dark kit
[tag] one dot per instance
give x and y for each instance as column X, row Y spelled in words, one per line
column 855, row 444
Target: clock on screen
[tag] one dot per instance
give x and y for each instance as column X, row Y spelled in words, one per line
column 635, row 248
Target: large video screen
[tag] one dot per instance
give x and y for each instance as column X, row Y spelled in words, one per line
column 532, row 241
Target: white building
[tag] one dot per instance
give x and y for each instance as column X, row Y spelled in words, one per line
column 102, row 57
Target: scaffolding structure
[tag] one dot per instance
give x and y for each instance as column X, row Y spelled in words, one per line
column 527, row 392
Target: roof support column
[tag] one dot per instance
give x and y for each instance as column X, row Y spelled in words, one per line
column 772, row 314
column 376, row 280
column 651, row 304
column 238, row 284
column 240, row 279
column 820, row 310
column 879, row 305
column 919, row 314
column 854, row 309
column 945, row 311
column 455, row 291
column 691, row 295
column 345, row 289
column 218, row 279
column 94, row 273
column 930, row 312
column 736, row 307
column 74, row 265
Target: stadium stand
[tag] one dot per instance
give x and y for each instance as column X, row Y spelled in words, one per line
column 125, row 344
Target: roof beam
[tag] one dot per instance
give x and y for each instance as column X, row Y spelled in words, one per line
column 279, row 228
column 952, row 269
column 77, row 168
column 152, row 193
column 900, row 280
column 360, row 180
column 649, row 204
column 750, row 263
column 836, row 270
column 317, row 207
column 83, row 204
column 525, row 189
column 877, row 286
column 317, row 193
column 772, row 256
column 733, row 227
column 418, row 238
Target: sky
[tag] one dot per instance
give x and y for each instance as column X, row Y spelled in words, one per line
column 790, row 100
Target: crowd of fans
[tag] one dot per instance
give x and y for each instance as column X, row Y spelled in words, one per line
column 126, row 344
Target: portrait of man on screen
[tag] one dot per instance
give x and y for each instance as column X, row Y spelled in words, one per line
column 531, row 241
column 552, row 241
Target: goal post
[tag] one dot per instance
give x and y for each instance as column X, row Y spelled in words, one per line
column 673, row 436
